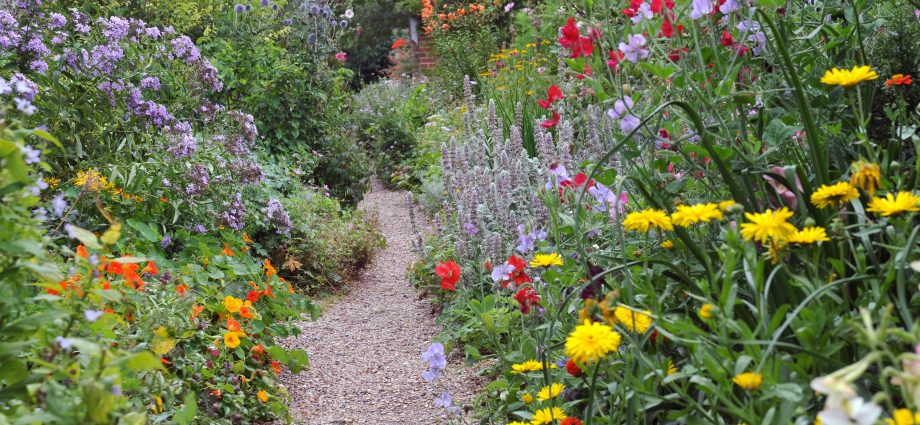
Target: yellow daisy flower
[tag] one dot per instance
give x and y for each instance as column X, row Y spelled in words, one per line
column 809, row 235
column 687, row 215
column 591, row 341
column 724, row 205
column 903, row 417
column 768, row 224
column 547, row 416
column 706, row 311
column 633, row 321
column 527, row 398
column 642, row 221
column 550, row 391
column 895, row 204
column 833, row 195
column 748, row 380
column 672, row 369
column 866, row 176
column 546, row 260
column 847, row 78
column 667, row 244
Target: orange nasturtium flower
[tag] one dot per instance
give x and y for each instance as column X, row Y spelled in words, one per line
column 269, row 269
column 151, row 268
column 276, row 367
column 246, row 312
column 233, row 325
column 180, row 289
column 196, row 310
column 232, row 304
column 81, row 251
column 262, row 395
column 227, row 251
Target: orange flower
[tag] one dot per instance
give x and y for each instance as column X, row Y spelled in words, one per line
column 428, row 29
column 276, row 367
column 898, row 80
column 246, row 312
column 196, row 310
column 106, row 285
column 451, row 17
column 81, row 251
column 398, row 43
column 114, row 267
column 445, row 27
column 269, row 269
column 216, row 393
column 164, row 361
column 227, row 251
column 151, row 268
column 442, row 16
column 233, row 325
column 461, row 12
column 180, row 289
column 246, row 238
column 262, row 395
column 253, row 285
column 268, row 291
column 290, row 288
column 258, row 349
column 163, row 199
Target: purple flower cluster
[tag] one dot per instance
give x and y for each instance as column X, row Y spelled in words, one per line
column 181, row 142
column 234, row 213
column 241, row 141
column 153, row 112
column 198, row 179
column 151, row 83
column 529, row 240
column 277, row 215
column 621, row 112
column 23, row 91
column 246, row 171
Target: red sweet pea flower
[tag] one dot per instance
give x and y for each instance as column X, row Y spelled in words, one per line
column 518, row 276
column 614, row 61
column 576, row 43
column 667, row 30
column 677, row 54
column 582, row 178
column 550, row 123
column 585, row 74
column 727, row 39
column 449, row 273
column 572, row 368
column 553, row 94
column 527, row 298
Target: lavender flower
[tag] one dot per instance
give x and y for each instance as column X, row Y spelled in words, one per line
column 92, row 315
column 437, row 361
column 729, row 6
column 57, row 21
column 198, row 228
column 700, row 8
column 152, row 83
column 198, row 178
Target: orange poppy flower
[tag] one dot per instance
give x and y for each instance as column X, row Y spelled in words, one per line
column 151, row 268
column 269, row 269
column 81, row 251
column 227, row 251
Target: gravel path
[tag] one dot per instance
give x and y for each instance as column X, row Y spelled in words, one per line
column 365, row 351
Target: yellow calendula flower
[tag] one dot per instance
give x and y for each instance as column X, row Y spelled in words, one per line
column 591, row 341
column 667, row 244
column 527, row 398
column 53, row 182
column 232, row 304
column 547, row 416
column 550, row 391
column 633, row 321
column 688, row 215
column 834, row 195
column 262, row 395
column 866, row 176
column 748, row 381
column 768, row 224
column 895, row 204
column 642, row 221
column 847, row 78
column 809, row 235
column 90, row 180
column 903, row 417
column 546, row 260
column 232, row 339
column 724, row 205
column 672, row 369
column 706, row 311
column 528, row 366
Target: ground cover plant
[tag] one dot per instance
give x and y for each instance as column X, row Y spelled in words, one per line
column 713, row 220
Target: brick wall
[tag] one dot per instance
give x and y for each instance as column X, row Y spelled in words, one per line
column 426, row 58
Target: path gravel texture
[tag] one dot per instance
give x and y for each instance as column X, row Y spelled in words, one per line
column 365, row 350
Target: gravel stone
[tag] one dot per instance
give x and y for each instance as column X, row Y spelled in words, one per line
column 365, row 350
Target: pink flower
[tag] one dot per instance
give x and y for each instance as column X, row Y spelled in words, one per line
column 341, row 57
column 787, row 196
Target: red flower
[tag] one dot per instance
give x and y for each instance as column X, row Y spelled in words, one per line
column 898, row 80
column 252, row 296
column 550, row 123
column 570, row 421
column 614, row 61
column 553, row 94
column 180, row 289
column 398, row 43
column 677, row 54
column 576, row 43
column 527, row 298
column 114, row 267
column 449, row 273
column 572, row 368
column 727, row 39
column 586, row 73
column 667, row 30
column 582, row 178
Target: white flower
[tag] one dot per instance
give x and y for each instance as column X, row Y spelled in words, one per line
column 349, row 13
column 854, row 411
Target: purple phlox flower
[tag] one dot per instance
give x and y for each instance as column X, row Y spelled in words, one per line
column 234, row 213
column 65, row 343
column 92, row 315
column 116, row 390
column 509, row 6
column 71, row 231
column 729, row 6
column 31, row 155
column 5, row 87
column 58, row 205
column 644, row 12
column 184, row 48
column 276, row 214
column 634, row 49
column 40, row 214
column 501, row 273
column 25, row 87
column 40, row 185
column 700, row 8
column 24, row 106
column 93, row 260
